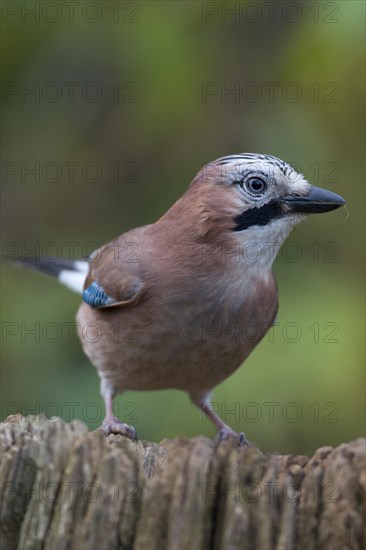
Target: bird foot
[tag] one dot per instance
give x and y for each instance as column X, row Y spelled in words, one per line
column 111, row 425
column 227, row 433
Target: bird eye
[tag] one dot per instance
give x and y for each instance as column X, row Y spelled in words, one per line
column 255, row 185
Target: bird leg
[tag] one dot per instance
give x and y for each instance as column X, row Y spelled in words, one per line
column 224, row 431
column 111, row 424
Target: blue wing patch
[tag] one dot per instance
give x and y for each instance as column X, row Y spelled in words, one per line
column 95, row 296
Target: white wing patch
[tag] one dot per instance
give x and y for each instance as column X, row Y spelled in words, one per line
column 75, row 279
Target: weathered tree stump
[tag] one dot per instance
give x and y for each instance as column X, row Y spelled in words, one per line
column 65, row 488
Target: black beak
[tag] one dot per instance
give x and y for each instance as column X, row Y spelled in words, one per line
column 316, row 201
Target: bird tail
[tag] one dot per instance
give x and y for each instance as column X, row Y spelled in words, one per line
column 71, row 273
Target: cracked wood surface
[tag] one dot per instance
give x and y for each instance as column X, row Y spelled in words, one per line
column 63, row 487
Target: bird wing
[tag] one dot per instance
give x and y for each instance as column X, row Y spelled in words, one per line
column 114, row 278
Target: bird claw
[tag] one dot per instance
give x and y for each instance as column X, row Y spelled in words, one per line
column 115, row 426
column 225, row 433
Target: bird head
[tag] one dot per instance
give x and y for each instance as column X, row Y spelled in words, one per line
column 257, row 197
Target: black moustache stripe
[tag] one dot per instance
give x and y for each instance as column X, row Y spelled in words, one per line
column 258, row 216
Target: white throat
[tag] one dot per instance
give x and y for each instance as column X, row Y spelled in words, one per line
column 258, row 246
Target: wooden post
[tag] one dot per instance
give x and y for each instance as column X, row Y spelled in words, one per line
column 63, row 487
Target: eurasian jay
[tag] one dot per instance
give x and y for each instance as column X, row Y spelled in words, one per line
column 182, row 302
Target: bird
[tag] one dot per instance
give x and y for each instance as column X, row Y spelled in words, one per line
column 180, row 303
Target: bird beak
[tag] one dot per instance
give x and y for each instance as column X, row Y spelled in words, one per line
column 316, row 201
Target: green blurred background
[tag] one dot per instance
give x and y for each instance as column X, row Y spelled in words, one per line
column 124, row 84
